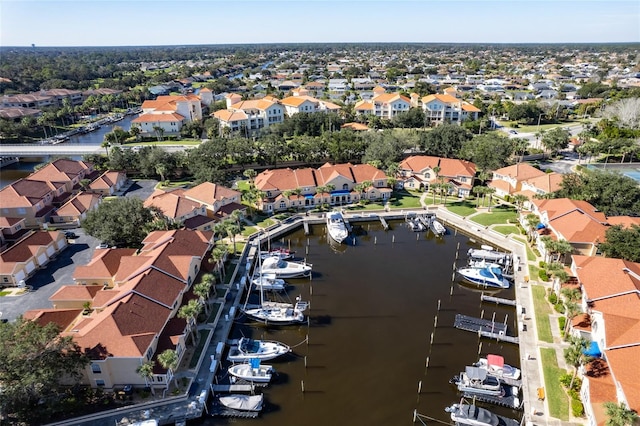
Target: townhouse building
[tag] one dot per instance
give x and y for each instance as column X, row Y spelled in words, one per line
column 251, row 115
column 134, row 300
column 329, row 184
column 384, row 105
column 440, row 109
column 610, row 290
column 24, row 258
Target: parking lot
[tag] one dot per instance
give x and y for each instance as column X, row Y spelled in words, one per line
column 141, row 189
column 47, row 281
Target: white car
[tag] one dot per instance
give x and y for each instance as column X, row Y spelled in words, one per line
column 102, row 246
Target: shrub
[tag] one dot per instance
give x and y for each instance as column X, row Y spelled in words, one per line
column 565, row 379
column 553, row 298
column 577, row 408
column 559, row 307
column 562, row 322
column 542, row 264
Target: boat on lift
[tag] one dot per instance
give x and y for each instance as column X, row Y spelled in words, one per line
column 495, row 366
column 488, row 276
column 252, row 371
column 268, row 282
column 248, row 349
column 337, row 227
column 488, row 253
column 242, row 402
column 284, row 268
column 471, row 415
column 477, row 380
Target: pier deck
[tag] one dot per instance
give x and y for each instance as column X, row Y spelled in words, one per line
column 497, row 300
column 485, row 328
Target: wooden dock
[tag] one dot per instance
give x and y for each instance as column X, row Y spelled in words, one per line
column 239, row 387
column 485, row 328
column 306, row 227
column 497, row 300
column 218, row 410
column 509, row 398
column 384, row 223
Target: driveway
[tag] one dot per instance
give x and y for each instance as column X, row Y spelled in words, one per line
column 48, row 280
column 141, row 189
column 564, row 166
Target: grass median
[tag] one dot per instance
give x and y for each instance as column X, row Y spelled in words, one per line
column 555, row 395
column 542, row 311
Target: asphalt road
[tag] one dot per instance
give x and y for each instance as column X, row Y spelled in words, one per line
column 47, row 281
column 141, row 189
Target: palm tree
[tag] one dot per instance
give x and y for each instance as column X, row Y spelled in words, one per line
column 490, row 191
column 218, row 255
column 145, row 370
column 135, row 131
column 619, row 414
column 574, row 355
column 190, row 312
column 477, row 191
column 434, row 187
column 519, row 200
column 162, row 170
column 169, row 360
column 203, row 288
column 562, row 248
column 251, row 175
column 532, row 223
column 105, row 144
column 159, row 132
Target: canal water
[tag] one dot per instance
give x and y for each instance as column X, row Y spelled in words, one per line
column 13, row 172
column 373, row 309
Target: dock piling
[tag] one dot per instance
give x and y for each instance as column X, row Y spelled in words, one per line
column 419, row 387
column 302, row 385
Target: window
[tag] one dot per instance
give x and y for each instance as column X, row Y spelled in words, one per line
column 95, row 368
column 100, row 383
column 345, row 187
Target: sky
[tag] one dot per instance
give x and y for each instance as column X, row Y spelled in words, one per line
column 182, row 22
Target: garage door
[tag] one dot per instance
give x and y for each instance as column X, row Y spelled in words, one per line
column 20, row 276
column 42, row 259
column 51, row 250
column 31, row 266
column 62, row 244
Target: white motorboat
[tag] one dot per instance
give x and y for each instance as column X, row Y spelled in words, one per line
column 465, row 414
column 336, row 226
column 268, row 282
column 489, row 276
column 261, row 349
column 488, row 253
column 284, row 268
column 252, row 371
column 280, row 253
column 437, row 227
column 479, row 264
column 242, row 402
column 476, row 380
column 495, row 366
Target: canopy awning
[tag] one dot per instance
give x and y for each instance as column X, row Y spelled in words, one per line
column 495, row 360
column 540, row 226
column 592, row 350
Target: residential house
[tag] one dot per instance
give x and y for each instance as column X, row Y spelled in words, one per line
column 303, row 103
column 611, row 302
column 76, row 209
column 384, row 105
column 21, row 260
column 440, row 109
column 175, row 206
column 17, row 113
column 133, row 311
column 168, row 113
column 218, row 200
column 540, row 185
column 329, row 184
column 509, row 180
column 417, row 173
column 108, row 183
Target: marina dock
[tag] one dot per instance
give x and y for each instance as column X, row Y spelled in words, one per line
column 509, row 398
column 485, row 328
column 384, row 223
column 497, row 300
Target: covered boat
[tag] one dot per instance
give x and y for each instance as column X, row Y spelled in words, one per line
column 337, row 227
column 465, row 414
column 252, row 371
column 285, row 269
column 265, row 350
column 242, row 402
column 280, row 253
column 476, row 380
column 495, row 366
column 488, row 253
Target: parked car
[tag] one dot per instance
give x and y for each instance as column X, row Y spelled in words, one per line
column 102, row 245
column 70, row 235
column 513, row 132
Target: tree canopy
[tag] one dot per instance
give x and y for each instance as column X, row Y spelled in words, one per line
column 123, row 220
column 610, row 192
column 445, row 140
column 33, row 359
column 488, row 151
column 622, row 243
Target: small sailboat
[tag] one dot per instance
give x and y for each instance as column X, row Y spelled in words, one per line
column 278, row 313
column 252, row 371
column 248, row 349
column 337, row 227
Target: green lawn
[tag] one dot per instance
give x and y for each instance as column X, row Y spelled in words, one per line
column 462, row 208
column 243, row 185
column 534, row 272
column 542, row 311
column 196, row 355
column 555, row 395
column 4, row 293
column 506, row 229
column 265, row 222
column 404, row 200
column 248, row 231
column 175, row 184
column 499, row 215
column 534, row 128
column 531, row 256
